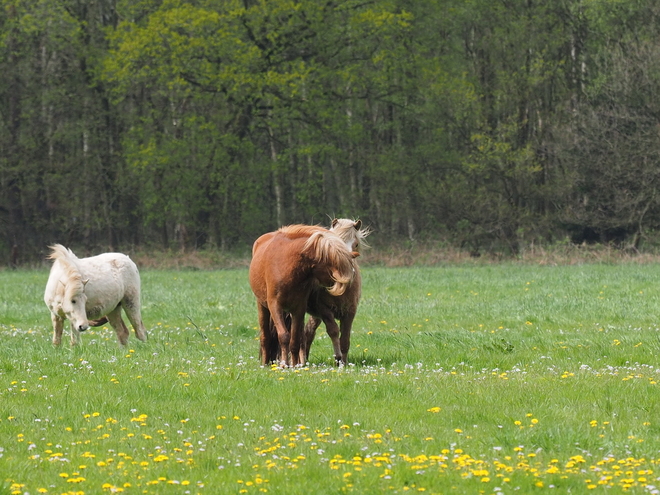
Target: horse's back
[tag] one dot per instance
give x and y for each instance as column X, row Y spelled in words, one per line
column 297, row 231
column 115, row 264
column 110, row 277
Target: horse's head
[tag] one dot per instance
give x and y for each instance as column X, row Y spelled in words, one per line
column 70, row 292
column 351, row 232
column 73, row 304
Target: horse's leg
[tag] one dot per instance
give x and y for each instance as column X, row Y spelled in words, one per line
column 332, row 329
column 346, row 323
column 75, row 334
column 267, row 346
column 287, row 323
column 297, row 339
column 58, row 327
column 116, row 321
column 273, row 345
column 310, row 332
column 283, row 334
column 132, row 309
column 302, row 350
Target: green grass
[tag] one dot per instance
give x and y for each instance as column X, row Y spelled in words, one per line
column 462, row 379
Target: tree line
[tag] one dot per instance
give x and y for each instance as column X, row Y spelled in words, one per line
column 490, row 124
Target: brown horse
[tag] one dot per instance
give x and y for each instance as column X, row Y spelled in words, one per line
column 287, row 265
column 326, row 307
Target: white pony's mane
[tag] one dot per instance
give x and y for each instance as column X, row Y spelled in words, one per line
column 69, row 262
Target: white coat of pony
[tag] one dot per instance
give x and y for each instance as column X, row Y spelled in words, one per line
column 82, row 288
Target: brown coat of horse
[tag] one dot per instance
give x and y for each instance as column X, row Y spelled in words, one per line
column 287, row 265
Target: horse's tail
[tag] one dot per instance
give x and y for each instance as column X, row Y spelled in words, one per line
column 328, row 249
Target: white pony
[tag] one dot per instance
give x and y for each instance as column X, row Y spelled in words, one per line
column 79, row 289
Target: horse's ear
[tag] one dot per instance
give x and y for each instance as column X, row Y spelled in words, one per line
column 358, row 225
column 334, row 222
column 355, row 254
column 84, row 282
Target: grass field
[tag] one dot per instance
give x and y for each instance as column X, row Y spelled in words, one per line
column 462, row 379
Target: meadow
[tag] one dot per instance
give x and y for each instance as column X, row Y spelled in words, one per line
column 495, row 378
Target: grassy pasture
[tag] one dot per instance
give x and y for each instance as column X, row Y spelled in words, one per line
column 463, row 379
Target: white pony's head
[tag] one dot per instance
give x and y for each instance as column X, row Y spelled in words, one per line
column 71, row 287
column 73, row 304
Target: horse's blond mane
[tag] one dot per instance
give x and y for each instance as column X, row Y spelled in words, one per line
column 328, row 248
column 68, row 260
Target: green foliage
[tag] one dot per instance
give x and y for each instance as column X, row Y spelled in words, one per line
column 206, row 123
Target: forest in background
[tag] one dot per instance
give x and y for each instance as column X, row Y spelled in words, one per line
column 486, row 124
